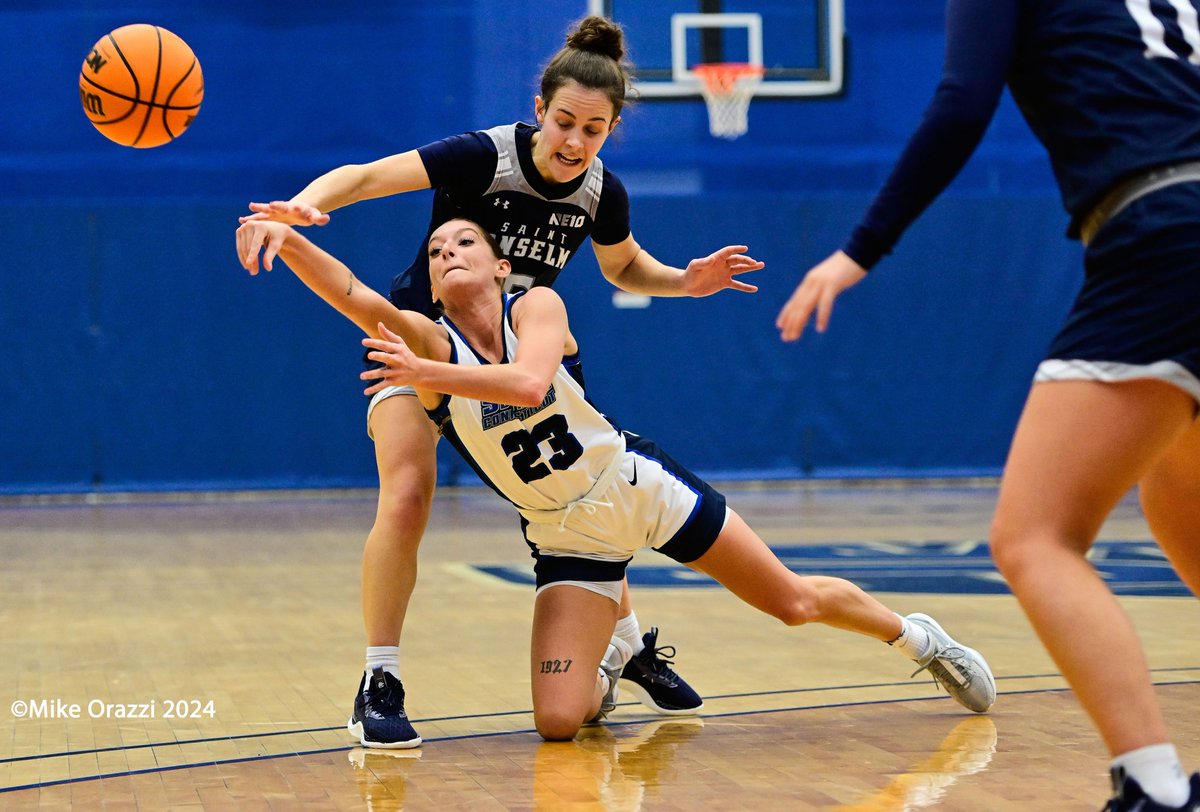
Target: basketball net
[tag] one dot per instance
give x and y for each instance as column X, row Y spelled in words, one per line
column 727, row 88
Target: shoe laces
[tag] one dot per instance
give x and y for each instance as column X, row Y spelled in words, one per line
column 385, row 695
column 954, row 655
column 657, row 658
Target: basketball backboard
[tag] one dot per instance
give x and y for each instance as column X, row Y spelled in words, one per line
column 798, row 43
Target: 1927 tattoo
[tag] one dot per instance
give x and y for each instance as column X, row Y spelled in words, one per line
column 555, row 666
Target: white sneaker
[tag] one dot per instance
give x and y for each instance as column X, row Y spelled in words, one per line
column 960, row 670
column 615, row 657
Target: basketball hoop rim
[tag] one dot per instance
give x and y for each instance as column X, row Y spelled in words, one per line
column 723, row 77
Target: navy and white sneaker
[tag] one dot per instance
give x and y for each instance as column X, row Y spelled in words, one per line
column 650, row 678
column 379, row 719
column 1130, row 797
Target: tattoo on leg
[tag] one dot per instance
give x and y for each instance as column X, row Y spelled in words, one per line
column 555, row 666
column 350, row 283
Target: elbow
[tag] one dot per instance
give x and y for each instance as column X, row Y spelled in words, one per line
column 618, row 277
column 965, row 108
column 613, row 275
column 531, row 392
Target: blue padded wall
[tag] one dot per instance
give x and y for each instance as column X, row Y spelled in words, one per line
column 138, row 355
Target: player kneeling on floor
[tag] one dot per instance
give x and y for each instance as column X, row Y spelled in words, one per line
column 498, row 374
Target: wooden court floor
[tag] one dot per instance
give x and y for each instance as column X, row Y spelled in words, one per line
column 202, row 652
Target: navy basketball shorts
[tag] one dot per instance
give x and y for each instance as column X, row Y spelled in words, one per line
column 655, row 502
column 1138, row 313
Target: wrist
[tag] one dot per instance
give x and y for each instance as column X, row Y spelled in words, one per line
column 422, row 368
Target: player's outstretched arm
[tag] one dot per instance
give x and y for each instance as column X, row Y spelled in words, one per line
column 540, row 322
column 347, row 184
column 816, row 292
column 328, row 277
column 630, row 267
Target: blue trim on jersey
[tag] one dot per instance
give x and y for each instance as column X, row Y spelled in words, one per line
column 702, row 527
column 504, row 316
column 509, row 300
column 573, row 364
column 440, row 414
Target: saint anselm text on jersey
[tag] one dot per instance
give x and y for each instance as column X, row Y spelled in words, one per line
column 539, row 250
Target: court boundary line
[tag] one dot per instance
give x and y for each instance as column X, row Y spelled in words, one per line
column 500, row 714
column 163, row 496
column 493, row 734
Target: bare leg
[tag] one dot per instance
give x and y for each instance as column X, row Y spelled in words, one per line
column 1080, row 446
column 405, row 442
column 741, row 561
column 1170, row 493
column 571, row 630
column 626, row 600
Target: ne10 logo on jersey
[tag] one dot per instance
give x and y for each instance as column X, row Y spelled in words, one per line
column 567, row 220
column 1154, row 32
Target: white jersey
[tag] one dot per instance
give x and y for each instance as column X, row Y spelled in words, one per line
column 541, row 458
column 585, row 488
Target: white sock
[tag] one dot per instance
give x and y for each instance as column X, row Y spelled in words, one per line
column 629, row 631
column 385, row 657
column 1157, row 769
column 913, row 641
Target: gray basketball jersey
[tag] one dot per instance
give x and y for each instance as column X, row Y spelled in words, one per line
column 522, row 234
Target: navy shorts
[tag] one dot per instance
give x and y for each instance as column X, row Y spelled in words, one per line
column 1140, row 301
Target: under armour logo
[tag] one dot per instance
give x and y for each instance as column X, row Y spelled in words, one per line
column 499, row 202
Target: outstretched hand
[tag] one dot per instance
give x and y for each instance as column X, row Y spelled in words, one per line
column 820, row 286
column 716, row 272
column 400, row 362
column 259, row 235
column 286, row 211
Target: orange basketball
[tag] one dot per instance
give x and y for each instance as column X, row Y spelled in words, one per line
column 141, row 86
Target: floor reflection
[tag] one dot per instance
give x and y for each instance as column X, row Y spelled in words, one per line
column 600, row 770
column 381, row 776
column 966, row 750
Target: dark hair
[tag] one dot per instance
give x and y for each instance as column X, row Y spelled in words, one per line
column 594, row 56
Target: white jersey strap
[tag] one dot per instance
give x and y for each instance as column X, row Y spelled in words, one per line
column 591, row 500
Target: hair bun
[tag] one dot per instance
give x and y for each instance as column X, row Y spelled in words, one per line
column 599, row 35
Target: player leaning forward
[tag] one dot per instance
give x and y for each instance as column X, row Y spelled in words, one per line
column 499, row 375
